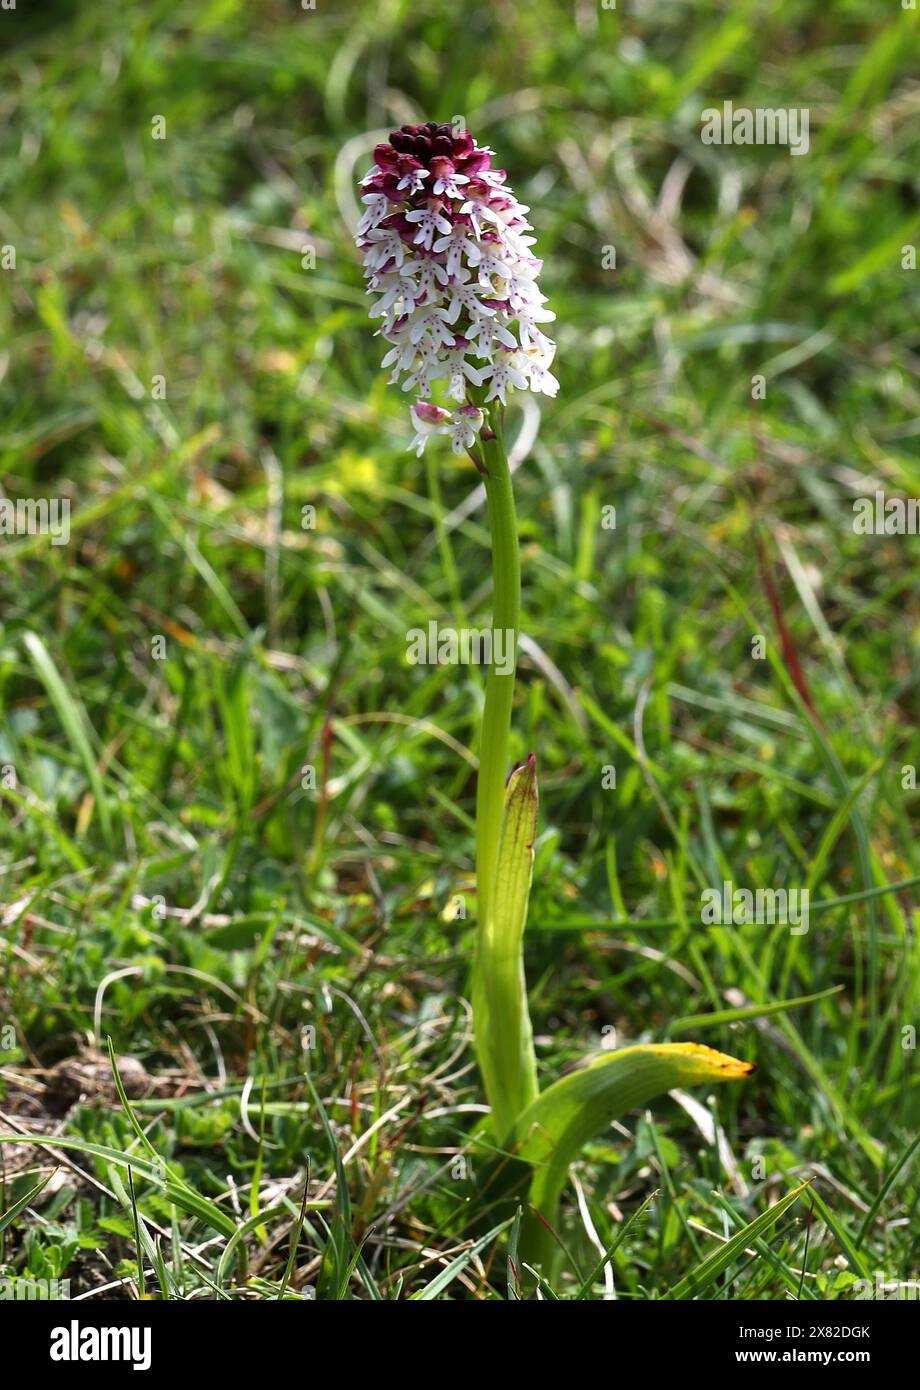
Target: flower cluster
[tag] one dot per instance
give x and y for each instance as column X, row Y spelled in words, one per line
column 447, row 253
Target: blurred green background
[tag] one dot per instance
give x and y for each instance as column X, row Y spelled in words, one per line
column 217, row 759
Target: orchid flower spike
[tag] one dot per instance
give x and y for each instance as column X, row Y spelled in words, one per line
column 448, row 259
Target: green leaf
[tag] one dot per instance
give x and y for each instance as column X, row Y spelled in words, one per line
column 75, row 722
column 697, row 1021
column 450, row 1271
column 513, row 1276
column 9, row 1216
column 886, row 1187
column 179, row 1195
column 635, row 1219
column 551, row 1132
column 504, row 1040
column 699, row 1279
column 843, row 1237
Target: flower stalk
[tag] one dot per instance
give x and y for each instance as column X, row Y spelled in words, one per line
column 506, row 616
column 505, row 828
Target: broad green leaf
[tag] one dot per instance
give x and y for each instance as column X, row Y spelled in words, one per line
column 504, row 1041
column 551, row 1132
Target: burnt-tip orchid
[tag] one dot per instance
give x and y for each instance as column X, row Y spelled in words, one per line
column 448, row 258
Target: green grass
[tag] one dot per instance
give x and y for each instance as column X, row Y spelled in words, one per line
column 280, row 950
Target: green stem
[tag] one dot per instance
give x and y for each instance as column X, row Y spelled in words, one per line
column 496, row 717
column 501, row 1021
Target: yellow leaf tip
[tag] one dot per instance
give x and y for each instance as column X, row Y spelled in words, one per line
column 718, row 1064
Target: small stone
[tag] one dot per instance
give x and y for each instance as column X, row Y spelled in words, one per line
column 88, row 1077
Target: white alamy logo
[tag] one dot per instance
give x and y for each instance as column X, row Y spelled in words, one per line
column 36, row 516
column 887, row 1288
column 465, row 646
column 731, row 906
column 32, row 1290
column 886, row 516
column 76, row 1343
column 739, row 125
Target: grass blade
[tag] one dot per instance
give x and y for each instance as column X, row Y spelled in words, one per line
column 9, row 1216
column 698, row 1280
column 74, row 719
